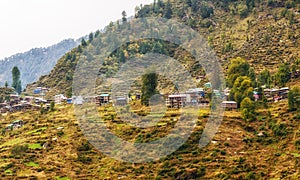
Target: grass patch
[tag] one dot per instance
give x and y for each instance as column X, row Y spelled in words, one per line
column 8, row 172
column 61, row 178
column 37, row 131
column 32, row 164
column 12, row 142
column 296, row 155
column 35, row 146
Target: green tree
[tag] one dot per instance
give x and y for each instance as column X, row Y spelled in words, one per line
column 124, row 16
column 294, row 99
column 16, row 82
column 6, row 84
column 242, row 89
column 206, row 11
column 168, row 12
column 238, row 67
column 52, row 106
column 149, row 83
column 283, row 75
column 252, row 76
column 83, row 42
column 264, row 78
column 248, row 109
column 91, row 37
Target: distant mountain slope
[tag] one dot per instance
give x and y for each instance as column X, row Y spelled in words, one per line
column 35, row 62
column 265, row 33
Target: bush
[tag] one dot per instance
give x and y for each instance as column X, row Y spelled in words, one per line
column 84, row 159
column 280, row 130
column 250, row 176
column 297, row 144
column 18, row 150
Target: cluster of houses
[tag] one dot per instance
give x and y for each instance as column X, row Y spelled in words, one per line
column 194, row 96
column 274, row 95
column 18, row 103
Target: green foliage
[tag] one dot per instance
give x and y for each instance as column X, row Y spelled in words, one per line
column 252, row 76
column 91, row 37
column 243, row 10
column 149, row 83
column 297, row 144
column 242, row 89
column 84, row 147
column 32, row 164
column 238, row 67
column 248, row 109
column 124, row 16
column 83, row 42
column 280, row 130
column 35, row 146
column 206, row 11
column 16, row 82
column 250, row 176
column 18, row 150
column 168, row 10
column 294, row 99
column 283, row 75
column 52, row 106
column 264, row 78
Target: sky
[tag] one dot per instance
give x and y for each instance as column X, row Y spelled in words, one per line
column 27, row 24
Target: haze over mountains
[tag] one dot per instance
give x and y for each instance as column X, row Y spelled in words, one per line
column 35, row 62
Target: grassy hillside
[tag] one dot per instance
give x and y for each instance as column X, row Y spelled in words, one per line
column 268, row 148
column 265, row 33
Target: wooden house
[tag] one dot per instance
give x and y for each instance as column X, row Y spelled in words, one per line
column 178, row 100
column 121, row 101
column 229, row 105
column 102, row 99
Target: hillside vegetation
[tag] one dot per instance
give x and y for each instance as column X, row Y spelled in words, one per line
column 265, row 33
column 52, row 145
column 263, row 142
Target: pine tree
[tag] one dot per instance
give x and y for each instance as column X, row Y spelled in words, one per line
column 124, row 17
column 83, row 42
column 148, row 87
column 91, row 37
column 16, row 82
column 169, row 12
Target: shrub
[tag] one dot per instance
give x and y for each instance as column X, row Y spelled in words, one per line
column 280, row 130
column 297, row 144
column 18, row 150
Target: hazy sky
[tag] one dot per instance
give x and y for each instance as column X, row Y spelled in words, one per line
column 26, row 24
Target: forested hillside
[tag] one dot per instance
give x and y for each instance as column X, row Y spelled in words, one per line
column 264, row 33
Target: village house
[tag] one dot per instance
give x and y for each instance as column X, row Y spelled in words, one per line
column 121, row 100
column 229, row 105
column 77, row 100
column 102, row 99
column 196, row 95
column 40, row 90
column 15, row 124
column 177, row 100
column 60, row 98
column 276, row 94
